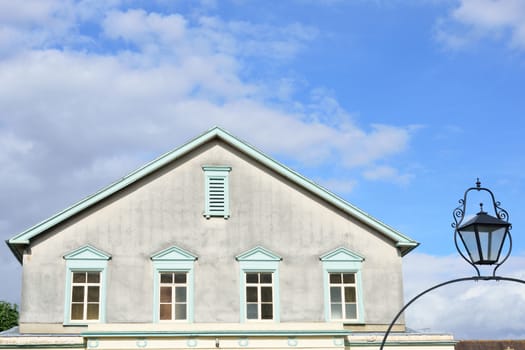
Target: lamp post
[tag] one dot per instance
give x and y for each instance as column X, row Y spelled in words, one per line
column 483, row 236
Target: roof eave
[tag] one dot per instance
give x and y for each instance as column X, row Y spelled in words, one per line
column 407, row 248
column 16, row 252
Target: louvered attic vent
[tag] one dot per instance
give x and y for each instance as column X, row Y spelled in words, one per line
column 216, row 185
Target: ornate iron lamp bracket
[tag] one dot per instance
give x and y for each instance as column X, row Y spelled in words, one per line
column 500, row 213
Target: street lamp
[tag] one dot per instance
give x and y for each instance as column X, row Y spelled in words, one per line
column 483, row 237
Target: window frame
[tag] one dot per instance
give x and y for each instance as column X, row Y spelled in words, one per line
column 258, row 260
column 173, row 260
column 86, row 285
column 211, row 172
column 174, row 285
column 259, row 285
column 85, row 259
column 342, row 286
column 342, row 260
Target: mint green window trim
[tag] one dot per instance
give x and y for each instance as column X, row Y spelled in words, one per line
column 86, row 259
column 342, row 260
column 255, row 260
column 174, row 259
column 216, row 184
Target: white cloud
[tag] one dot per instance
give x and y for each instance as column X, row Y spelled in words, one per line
column 474, row 20
column 105, row 99
column 40, row 24
column 387, row 173
column 75, row 117
column 340, row 186
column 143, row 28
column 28, row 12
column 470, row 310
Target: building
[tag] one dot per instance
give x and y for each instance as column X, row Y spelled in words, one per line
column 212, row 245
column 490, row 345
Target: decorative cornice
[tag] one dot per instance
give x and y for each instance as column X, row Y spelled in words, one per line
column 258, row 254
column 215, row 333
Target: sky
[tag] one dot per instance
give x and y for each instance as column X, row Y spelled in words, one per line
column 396, row 106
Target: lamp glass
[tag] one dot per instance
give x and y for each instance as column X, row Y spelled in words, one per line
column 483, row 241
column 470, row 241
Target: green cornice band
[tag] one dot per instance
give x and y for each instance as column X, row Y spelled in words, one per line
column 401, row 343
column 227, row 333
column 42, row 346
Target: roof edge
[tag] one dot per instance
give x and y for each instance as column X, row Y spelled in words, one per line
column 403, row 242
column 400, row 239
column 148, row 168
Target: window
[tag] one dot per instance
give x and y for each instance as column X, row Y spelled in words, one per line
column 173, row 285
column 343, row 296
column 173, row 301
column 259, row 295
column 216, row 191
column 85, row 285
column 85, row 296
column 259, row 283
column 342, row 281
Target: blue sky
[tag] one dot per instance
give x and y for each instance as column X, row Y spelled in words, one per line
column 397, row 106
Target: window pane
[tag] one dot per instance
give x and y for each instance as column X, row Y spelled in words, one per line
column 335, row 278
column 77, row 311
column 180, row 278
column 180, row 294
column 266, row 311
column 93, row 294
column 166, row 278
column 251, row 311
column 165, row 294
column 93, row 277
column 79, row 277
column 266, row 294
column 165, row 311
column 470, row 241
column 266, row 278
column 252, row 278
column 92, row 311
column 350, row 295
column 337, row 311
column 78, row 294
column 180, row 311
column 492, row 249
column 348, row 278
column 335, row 294
column 251, row 294
column 351, row 311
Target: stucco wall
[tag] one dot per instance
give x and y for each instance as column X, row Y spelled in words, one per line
column 166, row 209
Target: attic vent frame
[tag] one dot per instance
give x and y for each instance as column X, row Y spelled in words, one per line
column 216, row 191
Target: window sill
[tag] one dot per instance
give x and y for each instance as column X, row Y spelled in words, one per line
column 353, row 323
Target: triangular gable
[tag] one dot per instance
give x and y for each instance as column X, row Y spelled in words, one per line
column 258, row 254
column 87, row 252
column 173, row 253
column 404, row 243
column 341, row 254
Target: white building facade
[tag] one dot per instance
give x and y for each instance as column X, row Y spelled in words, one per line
column 212, row 245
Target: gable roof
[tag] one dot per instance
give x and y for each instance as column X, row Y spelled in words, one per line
column 403, row 242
